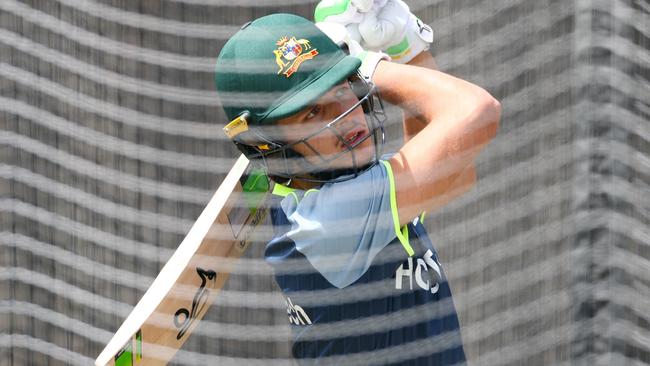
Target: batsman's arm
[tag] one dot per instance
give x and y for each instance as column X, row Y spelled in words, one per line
column 460, row 120
column 412, row 125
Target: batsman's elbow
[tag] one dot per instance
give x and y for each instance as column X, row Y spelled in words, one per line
column 490, row 113
column 485, row 121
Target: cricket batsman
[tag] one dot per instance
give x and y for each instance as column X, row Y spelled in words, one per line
column 362, row 280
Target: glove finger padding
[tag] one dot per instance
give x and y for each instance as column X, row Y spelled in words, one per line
column 380, row 25
column 340, row 35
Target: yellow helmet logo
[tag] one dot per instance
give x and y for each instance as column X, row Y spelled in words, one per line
column 291, row 53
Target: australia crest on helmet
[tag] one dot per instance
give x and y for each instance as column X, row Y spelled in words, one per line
column 291, row 53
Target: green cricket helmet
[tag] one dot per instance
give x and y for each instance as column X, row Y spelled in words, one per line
column 275, row 67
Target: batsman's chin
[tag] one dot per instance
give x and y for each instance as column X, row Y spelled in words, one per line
column 357, row 157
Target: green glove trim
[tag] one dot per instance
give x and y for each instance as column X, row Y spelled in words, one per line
column 399, row 48
column 328, row 8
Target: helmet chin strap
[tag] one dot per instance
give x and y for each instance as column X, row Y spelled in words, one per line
column 334, row 174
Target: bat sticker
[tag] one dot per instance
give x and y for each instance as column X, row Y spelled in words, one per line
column 183, row 318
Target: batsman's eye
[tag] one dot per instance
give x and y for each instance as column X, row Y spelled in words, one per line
column 313, row 112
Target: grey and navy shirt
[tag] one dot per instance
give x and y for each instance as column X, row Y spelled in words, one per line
column 359, row 288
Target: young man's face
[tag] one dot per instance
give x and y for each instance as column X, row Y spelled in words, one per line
column 321, row 148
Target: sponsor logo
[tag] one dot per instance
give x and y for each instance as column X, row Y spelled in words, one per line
column 291, row 53
column 258, row 217
column 296, row 314
column 425, row 271
column 184, row 318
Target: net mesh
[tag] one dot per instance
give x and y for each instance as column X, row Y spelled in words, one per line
column 112, row 146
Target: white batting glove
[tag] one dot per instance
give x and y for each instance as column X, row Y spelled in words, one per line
column 339, row 34
column 379, row 25
column 363, row 6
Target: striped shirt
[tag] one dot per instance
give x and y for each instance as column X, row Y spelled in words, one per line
column 359, row 289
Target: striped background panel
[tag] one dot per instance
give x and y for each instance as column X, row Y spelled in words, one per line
column 111, row 146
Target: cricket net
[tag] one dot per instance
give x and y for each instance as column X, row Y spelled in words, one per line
column 112, row 146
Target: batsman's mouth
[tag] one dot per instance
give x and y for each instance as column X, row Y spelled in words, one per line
column 352, row 137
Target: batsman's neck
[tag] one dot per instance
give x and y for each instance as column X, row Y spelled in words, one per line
column 303, row 185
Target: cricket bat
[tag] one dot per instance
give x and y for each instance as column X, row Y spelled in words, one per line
column 189, row 282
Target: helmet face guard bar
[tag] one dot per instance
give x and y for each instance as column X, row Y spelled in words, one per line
column 281, row 159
